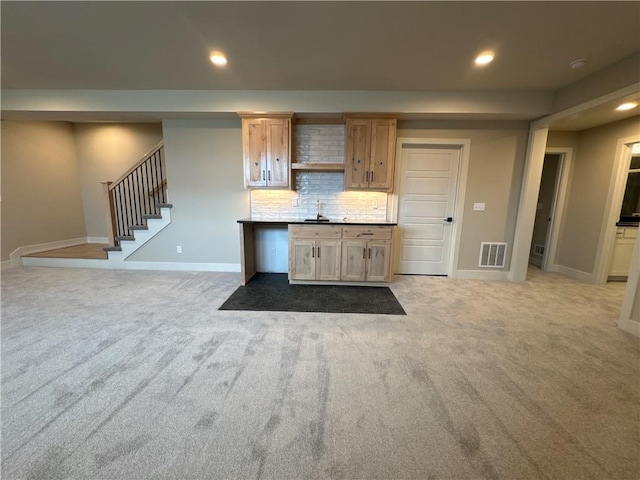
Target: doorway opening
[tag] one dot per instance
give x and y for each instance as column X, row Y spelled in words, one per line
column 547, row 198
column 550, row 208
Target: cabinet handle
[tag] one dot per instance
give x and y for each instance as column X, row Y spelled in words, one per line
column 365, row 233
column 269, row 175
column 367, row 176
column 263, row 175
column 318, row 252
column 364, row 253
column 313, row 252
column 371, row 176
column 369, row 253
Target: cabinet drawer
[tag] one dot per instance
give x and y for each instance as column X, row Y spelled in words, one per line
column 367, row 233
column 314, row 231
column 630, row 233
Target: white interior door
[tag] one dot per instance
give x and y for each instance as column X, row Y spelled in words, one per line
column 427, row 196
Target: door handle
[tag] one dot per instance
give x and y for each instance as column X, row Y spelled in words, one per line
column 371, row 177
column 318, row 252
column 448, row 219
column 367, row 176
column 364, row 253
column 263, row 175
column 269, row 175
column 313, row 252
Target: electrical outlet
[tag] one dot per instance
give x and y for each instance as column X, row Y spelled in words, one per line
column 478, row 207
column 178, row 249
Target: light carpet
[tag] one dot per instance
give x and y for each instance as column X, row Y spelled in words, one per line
column 138, row 375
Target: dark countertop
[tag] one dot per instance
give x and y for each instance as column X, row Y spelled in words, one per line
column 298, row 221
column 627, row 224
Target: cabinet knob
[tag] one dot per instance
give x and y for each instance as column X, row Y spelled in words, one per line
column 277, row 159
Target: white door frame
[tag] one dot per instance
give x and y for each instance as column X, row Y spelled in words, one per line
column 558, row 208
column 617, row 185
column 464, row 145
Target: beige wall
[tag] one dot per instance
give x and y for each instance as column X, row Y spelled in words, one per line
column 496, row 162
column 105, row 152
column 41, row 199
column 589, row 190
column 205, row 185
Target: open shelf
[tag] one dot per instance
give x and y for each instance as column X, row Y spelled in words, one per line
column 318, row 167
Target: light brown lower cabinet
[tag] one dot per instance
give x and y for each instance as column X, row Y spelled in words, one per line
column 365, row 261
column 331, row 254
column 315, row 260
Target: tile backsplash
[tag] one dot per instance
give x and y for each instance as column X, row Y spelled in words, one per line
column 318, row 144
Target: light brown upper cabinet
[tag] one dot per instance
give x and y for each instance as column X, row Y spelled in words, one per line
column 370, row 153
column 266, row 148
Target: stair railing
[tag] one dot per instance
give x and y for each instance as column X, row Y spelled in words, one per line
column 135, row 196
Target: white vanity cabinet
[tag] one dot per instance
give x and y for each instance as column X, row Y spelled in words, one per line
column 622, row 250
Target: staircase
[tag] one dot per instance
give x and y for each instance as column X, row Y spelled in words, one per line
column 136, row 205
column 136, row 210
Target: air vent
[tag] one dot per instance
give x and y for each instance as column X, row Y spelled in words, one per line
column 492, row 254
column 538, row 249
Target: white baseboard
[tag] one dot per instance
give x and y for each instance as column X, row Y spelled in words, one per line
column 572, row 273
column 14, row 258
column 7, row 264
column 176, row 266
column 64, row 262
column 630, row 326
column 499, row 275
column 125, row 265
column 97, row 240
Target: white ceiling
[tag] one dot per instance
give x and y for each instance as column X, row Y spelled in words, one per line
column 324, row 46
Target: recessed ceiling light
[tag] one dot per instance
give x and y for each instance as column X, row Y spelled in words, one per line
column 218, row 58
column 626, row 106
column 579, row 63
column 484, row 58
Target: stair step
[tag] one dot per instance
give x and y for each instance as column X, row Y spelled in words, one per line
column 164, row 205
column 151, row 215
column 138, row 227
column 113, row 249
column 126, row 237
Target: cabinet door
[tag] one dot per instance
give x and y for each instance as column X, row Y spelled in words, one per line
column 303, row 261
column 253, row 146
column 378, row 256
column 356, row 165
column 328, row 259
column 277, row 160
column 353, row 260
column 383, row 146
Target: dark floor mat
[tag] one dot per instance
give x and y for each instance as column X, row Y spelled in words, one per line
column 272, row 292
